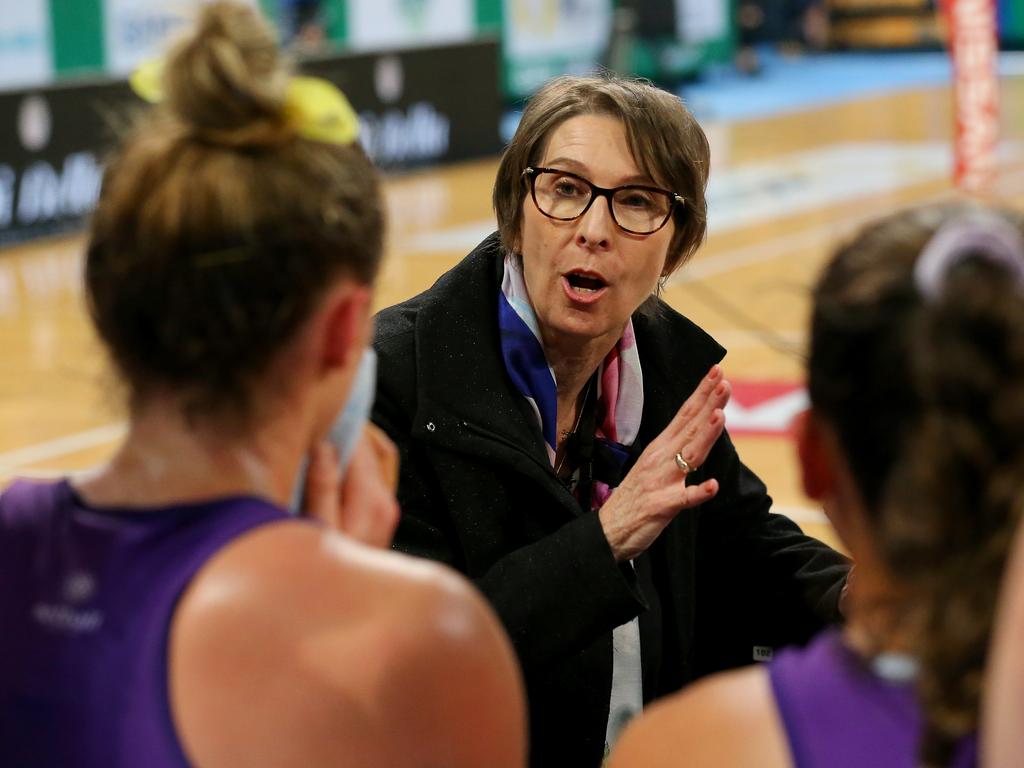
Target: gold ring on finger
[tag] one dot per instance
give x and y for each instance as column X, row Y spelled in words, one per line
column 683, row 464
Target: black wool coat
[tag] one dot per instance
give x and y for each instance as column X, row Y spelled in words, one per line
column 723, row 582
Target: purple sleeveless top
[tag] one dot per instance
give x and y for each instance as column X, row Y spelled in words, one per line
column 839, row 713
column 86, row 600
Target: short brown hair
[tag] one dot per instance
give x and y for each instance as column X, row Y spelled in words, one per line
column 665, row 139
column 218, row 227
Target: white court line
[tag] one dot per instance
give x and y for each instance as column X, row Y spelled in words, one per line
column 735, row 339
column 823, row 235
column 757, row 253
column 61, row 446
column 802, row 514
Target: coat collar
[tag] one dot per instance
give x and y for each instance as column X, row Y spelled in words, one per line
column 464, row 389
column 467, row 400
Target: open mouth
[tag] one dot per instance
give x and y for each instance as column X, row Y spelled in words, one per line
column 582, row 283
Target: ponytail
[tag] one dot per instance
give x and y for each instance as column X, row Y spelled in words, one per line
column 917, row 360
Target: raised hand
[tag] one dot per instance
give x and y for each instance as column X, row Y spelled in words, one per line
column 655, row 490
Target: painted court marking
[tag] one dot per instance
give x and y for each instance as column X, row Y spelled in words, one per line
column 61, row 446
column 801, row 515
column 764, row 407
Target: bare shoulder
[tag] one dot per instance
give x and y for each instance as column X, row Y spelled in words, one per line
column 456, row 682
column 729, row 719
column 296, row 630
column 309, row 575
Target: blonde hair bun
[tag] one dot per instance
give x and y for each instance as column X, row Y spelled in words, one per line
column 225, row 81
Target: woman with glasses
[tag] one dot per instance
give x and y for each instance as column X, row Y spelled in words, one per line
column 562, row 434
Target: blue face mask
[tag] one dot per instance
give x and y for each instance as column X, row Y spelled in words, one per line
column 348, row 427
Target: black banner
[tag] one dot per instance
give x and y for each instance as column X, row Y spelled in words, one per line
column 422, row 106
column 417, row 107
column 52, row 146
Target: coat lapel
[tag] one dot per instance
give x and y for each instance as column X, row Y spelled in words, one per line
column 467, row 402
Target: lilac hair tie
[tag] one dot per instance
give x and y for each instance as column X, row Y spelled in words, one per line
column 981, row 235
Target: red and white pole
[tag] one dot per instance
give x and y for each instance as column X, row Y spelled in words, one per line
column 974, row 48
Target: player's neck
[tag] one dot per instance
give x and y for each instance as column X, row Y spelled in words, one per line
column 168, row 458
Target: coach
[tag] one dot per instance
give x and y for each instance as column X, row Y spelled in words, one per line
column 562, row 435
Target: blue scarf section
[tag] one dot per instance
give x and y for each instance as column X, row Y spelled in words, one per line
column 528, row 367
column 614, row 408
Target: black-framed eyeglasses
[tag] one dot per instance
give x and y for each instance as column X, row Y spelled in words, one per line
column 565, row 196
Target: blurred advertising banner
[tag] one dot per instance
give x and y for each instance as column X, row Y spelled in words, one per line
column 387, row 23
column 699, row 21
column 135, row 30
column 53, row 140
column 671, row 39
column 25, row 43
column 544, row 38
column 660, row 39
column 1011, row 21
column 409, row 112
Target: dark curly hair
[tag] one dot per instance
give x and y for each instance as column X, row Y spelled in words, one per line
column 927, row 397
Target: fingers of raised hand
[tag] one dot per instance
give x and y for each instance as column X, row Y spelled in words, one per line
column 666, row 503
column 655, row 491
column 640, row 509
column 696, row 401
column 696, row 443
column 675, row 455
column 717, row 401
column 688, row 496
column 711, row 394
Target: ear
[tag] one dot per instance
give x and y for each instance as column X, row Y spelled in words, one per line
column 817, row 473
column 346, row 325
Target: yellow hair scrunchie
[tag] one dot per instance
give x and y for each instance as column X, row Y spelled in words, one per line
column 317, row 109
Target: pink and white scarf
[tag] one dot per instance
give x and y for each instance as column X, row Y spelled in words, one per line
column 620, row 385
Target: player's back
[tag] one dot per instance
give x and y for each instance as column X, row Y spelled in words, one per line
column 86, row 601
column 841, row 710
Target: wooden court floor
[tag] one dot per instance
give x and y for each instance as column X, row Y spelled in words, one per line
column 784, row 190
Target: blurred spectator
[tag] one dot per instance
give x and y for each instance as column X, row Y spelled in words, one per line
column 302, row 23
column 793, row 25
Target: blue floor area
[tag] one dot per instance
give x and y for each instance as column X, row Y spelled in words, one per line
column 788, row 84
